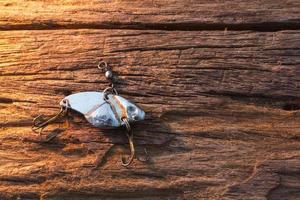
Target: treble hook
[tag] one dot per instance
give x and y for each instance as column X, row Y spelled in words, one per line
column 131, row 145
column 39, row 123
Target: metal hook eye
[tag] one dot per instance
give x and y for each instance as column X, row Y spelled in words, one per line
column 65, row 104
column 65, row 101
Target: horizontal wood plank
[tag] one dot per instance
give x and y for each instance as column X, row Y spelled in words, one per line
column 222, row 114
column 174, row 14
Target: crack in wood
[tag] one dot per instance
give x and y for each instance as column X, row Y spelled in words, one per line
column 220, row 88
column 184, row 26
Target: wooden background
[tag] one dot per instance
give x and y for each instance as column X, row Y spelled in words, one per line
column 219, row 81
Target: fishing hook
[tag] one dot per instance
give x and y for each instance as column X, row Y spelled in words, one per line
column 39, row 123
column 131, row 144
column 129, row 134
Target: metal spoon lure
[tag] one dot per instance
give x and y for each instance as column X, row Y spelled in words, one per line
column 104, row 110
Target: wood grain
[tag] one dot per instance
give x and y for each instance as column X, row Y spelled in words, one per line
column 219, row 81
column 263, row 15
column 222, row 114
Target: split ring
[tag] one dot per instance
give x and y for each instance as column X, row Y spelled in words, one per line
column 107, row 91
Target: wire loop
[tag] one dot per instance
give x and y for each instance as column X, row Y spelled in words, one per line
column 107, row 91
column 102, row 65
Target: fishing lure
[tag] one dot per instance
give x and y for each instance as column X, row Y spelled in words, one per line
column 104, row 110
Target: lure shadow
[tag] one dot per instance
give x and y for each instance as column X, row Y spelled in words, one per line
column 149, row 136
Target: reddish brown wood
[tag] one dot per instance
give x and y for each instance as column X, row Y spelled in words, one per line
column 222, row 113
column 222, row 106
column 154, row 14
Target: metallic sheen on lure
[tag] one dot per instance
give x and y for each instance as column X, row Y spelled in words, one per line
column 103, row 113
column 102, row 109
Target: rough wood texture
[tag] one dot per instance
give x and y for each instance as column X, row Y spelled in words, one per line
column 154, row 14
column 222, row 106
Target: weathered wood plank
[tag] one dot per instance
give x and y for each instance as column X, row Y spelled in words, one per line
column 223, row 114
column 175, row 14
